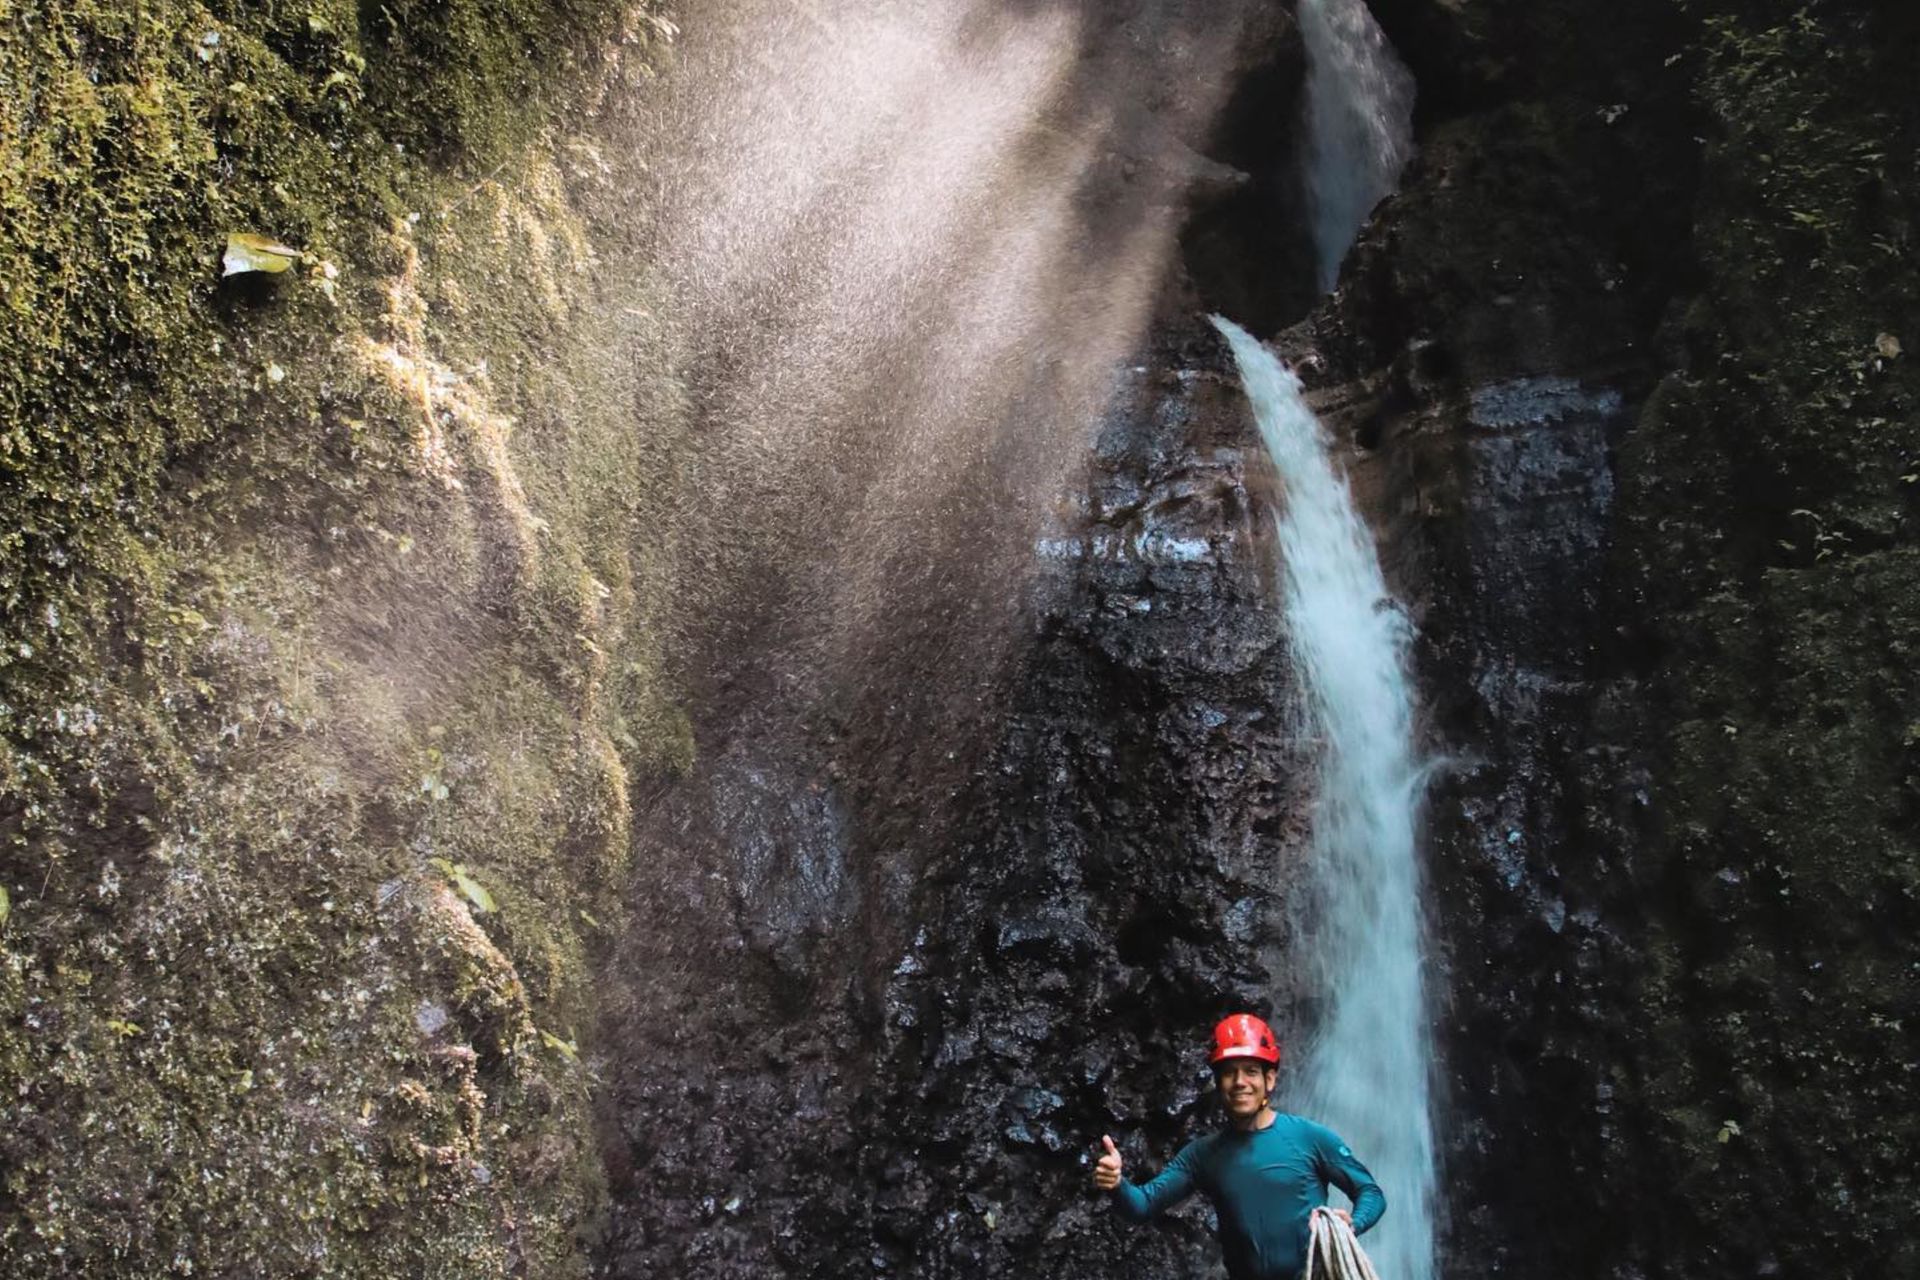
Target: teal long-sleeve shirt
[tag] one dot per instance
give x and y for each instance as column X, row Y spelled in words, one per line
column 1263, row 1185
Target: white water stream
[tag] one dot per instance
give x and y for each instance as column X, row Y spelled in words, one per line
column 1359, row 123
column 1365, row 1071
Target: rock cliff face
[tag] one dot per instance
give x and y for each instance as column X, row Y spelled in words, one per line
column 1620, row 379
column 908, row 1085
column 1124, row 876
column 865, row 1016
column 1624, row 351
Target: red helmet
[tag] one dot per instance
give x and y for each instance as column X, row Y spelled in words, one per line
column 1241, row 1035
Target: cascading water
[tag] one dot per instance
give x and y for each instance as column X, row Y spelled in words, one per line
column 1359, row 123
column 1366, row 1071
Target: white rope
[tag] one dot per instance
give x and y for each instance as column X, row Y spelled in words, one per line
column 1333, row 1251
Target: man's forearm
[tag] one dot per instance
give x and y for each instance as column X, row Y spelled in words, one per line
column 1131, row 1201
column 1368, row 1207
column 1174, row 1184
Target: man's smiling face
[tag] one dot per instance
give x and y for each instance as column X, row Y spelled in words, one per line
column 1245, row 1084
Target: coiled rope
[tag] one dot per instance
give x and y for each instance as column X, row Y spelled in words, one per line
column 1333, row 1251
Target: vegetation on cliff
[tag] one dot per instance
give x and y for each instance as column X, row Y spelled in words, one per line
column 1678, row 897
column 1774, row 500
column 326, row 662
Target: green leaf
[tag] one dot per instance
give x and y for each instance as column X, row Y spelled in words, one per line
column 6, row 905
column 565, row 1048
column 472, row 889
column 248, row 252
column 475, row 891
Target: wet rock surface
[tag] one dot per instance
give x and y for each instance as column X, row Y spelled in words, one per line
column 1121, row 885
column 935, row 1074
column 915, row 930
column 1621, row 381
column 1662, row 758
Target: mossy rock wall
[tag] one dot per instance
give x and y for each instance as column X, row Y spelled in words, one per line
column 1772, row 498
column 1666, row 626
column 330, row 644
column 1677, row 868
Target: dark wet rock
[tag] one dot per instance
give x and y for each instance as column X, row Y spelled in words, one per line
column 907, row 940
column 1051, row 936
column 1660, row 762
column 1637, row 464
column 1114, row 886
column 1128, row 849
column 786, row 838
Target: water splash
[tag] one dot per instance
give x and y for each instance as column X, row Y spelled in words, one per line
column 1359, row 123
column 1366, row 1071
column 902, row 250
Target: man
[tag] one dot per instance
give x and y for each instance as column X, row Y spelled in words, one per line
column 1265, row 1172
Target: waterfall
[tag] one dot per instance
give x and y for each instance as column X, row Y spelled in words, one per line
column 1359, row 123
column 1365, row 1072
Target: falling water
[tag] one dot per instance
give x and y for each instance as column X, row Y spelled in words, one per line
column 1359, row 123
column 1365, row 1072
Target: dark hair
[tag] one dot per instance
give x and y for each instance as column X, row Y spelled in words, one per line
column 1265, row 1066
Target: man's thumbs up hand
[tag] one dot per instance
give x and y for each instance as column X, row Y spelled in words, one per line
column 1106, row 1172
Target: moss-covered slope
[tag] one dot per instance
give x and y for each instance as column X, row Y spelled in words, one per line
column 326, row 658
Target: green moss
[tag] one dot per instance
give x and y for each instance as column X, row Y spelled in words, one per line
column 276, row 552
column 132, row 141
column 473, row 79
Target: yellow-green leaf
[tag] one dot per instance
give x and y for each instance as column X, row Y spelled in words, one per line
column 565, row 1048
column 6, row 905
column 475, row 891
column 463, row 880
column 248, row 252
